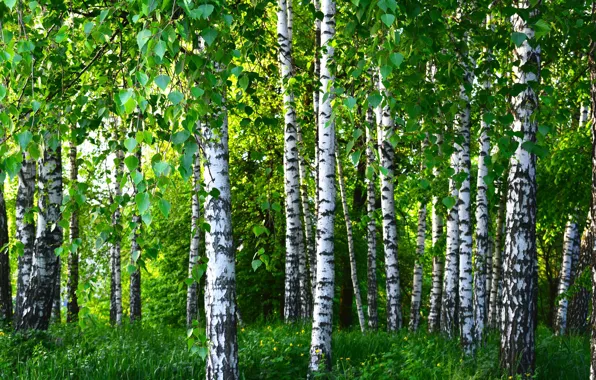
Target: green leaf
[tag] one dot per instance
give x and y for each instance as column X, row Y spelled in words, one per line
column 160, row 168
column 356, row 157
column 206, row 10
column 180, row 137
column 541, row 28
column 243, row 82
column 131, row 162
column 142, row 37
column 518, row 38
column 143, row 202
column 24, row 138
column 259, row 230
column 449, row 202
column 125, row 95
column 350, row 102
column 142, row 78
column 197, row 92
column 164, row 207
column 160, row 49
column 388, row 19
column 209, row 35
column 130, row 144
column 10, row 3
column 256, row 264
column 175, row 97
column 374, row 99
column 2, row 91
column 162, row 81
column 396, row 59
column 88, row 27
column 543, row 129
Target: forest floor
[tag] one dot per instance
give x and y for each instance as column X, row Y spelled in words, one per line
column 269, row 352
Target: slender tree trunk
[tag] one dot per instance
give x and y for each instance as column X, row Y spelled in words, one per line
column 434, row 316
column 466, row 313
column 25, row 230
column 570, row 244
column 5, row 283
column 417, row 281
column 294, row 242
column 220, row 289
column 354, row 276
column 72, row 305
column 115, row 249
column 56, row 312
column 309, row 239
column 519, row 264
column 387, row 157
column 449, row 302
column 482, row 238
column 592, row 226
column 497, row 264
column 39, row 292
column 579, row 305
column 371, row 226
column 135, row 256
column 320, row 347
column 192, row 297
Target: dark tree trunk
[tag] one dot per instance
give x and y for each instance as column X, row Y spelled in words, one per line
column 72, row 306
column 5, row 285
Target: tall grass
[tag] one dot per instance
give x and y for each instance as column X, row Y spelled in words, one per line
column 270, row 352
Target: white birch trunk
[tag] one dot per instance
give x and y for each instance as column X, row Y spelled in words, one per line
column 72, row 305
column 570, row 244
column 434, row 316
column 449, row 302
column 417, row 280
column 39, row 293
column 320, row 348
column 497, row 264
column 115, row 249
column 135, row 249
column 294, row 239
column 220, row 288
column 192, row 297
column 520, row 264
column 371, row 226
column 482, row 238
column 386, row 153
column 25, row 229
column 352, row 254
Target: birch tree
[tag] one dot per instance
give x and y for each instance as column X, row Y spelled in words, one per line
column 220, row 288
column 320, row 347
column 519, row 264
column 371, row 225
column 434, row 315
column 417, row 280
column 387, row 157
column 25, row 230
column 5, row 283
column 579, row 303
column 135, row 255
column 192, row 298
column 115, row 248
column 497, row 263
column 38, row 296
column 294, row 237
column 570, row 245
column 72, row 304
column 351, row 253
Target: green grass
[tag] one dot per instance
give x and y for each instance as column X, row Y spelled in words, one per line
column 269, row 352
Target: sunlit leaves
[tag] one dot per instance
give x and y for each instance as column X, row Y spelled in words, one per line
column 142, row 37
column 518, row 38
column 162, row 81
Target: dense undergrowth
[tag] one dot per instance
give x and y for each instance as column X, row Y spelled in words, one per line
column 269, row 352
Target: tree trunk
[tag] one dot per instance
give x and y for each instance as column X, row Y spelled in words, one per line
column 592, row 226
column 434, row 316
column 294, row 239
column 466, row 312
column 579, row 305
column 5, row 281
column 497, row 265
column 449, row 302
column 39, row 293
column 192, row 297
column 135, row 256
column 387, row 157
column 518, row 322
column 354, row 276
column 570, row 244
column 417, row 281
column 115, row 249
column 72, row 305
column 220, row 289
column 371, row 227
column 25, row 230
column 482, row 239
column 320, row 348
